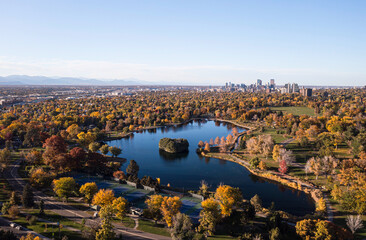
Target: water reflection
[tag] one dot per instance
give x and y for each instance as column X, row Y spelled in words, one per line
column 172, row 156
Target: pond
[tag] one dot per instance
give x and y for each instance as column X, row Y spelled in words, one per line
column 186, row 170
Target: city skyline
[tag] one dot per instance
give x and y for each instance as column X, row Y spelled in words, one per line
column 205, row 43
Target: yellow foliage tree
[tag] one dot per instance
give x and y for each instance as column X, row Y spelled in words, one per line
column 209, row 216
column 276, row 152
column 154, row 205
column 120, row 206
column 89, row 190
column 227, row 197
column 169, row 208
column 103, row 197
column 321, row 206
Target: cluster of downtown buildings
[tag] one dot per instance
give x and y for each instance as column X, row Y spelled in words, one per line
column 268, row 88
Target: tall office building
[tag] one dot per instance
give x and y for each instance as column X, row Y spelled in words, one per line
column 259, row 82
column 272, row 82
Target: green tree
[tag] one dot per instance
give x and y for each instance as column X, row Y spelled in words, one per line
column 14, row 199
column 106, row 231
column 132, row 169
column 27, row 197
column 65, row 187
column 182, row 227
column 256, row 202
column 94, row 146
column 104, row 149
column 115, row 151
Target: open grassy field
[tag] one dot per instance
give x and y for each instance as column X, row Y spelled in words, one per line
column 277, row 134
column 297, row 111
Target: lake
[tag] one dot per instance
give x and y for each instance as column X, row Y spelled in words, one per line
column 186, row 170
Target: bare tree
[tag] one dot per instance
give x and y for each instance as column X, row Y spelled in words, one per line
column 217, row 140
column 287, row 156
column 354, row 223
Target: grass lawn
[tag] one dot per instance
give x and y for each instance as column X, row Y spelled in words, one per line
column 150, row 227
column 277, row 137
column 297, row 111
column 340, row 219
column 53, row 217
column 47, row 229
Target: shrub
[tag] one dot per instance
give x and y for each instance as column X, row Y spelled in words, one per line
column 13, row 211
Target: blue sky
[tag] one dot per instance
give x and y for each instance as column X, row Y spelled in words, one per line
column 187, row 42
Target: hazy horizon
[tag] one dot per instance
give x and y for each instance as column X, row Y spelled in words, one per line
column 186, row 43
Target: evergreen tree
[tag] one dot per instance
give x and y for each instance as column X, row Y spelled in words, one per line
column 27, row 197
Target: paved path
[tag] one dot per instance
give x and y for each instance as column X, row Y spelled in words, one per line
column 70, row 212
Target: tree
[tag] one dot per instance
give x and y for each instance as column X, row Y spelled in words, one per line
column 132, row 169
column 154, row 205
column 41, row 208
column 169, row 208
column 256, row 202
column 115, row 151
column 64, row 187
column 32, row 137
column 13, row 211
column 86, row 138
column 354, row 223
column 228, row 197
column 5, row 156
column 7, row 235
column 207, row 147
column 201, row 144
column 94, row 146
column 254, row 162
column 120, row 175
column 103, row 197
column 104, row 149
column 276, row 152
column 336, row 192
column 262, row 165
column 286, row 155
column 34, row 157
column 321, row 205
column 30, row 237
column 274, row 234
column 283, row 167
column 54, row 152
column 309, row 229
column 40, row 178
column 27, row 197
column 89, row 190
column 120, row 206
column 14, row 199
column 182, row 227
column 325, row 165
column 204, row 188
column 306, row 228
column 73, row 130
column 209, row 216
column 106, row 230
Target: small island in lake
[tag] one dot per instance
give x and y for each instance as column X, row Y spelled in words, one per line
column 174, row 145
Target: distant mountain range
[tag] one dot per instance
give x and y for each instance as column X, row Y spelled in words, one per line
column 16, row 80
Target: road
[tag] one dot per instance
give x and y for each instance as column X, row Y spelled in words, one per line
column 70, row 212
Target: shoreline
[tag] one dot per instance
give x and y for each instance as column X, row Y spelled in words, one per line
column 297, row 184
column 124, row 135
